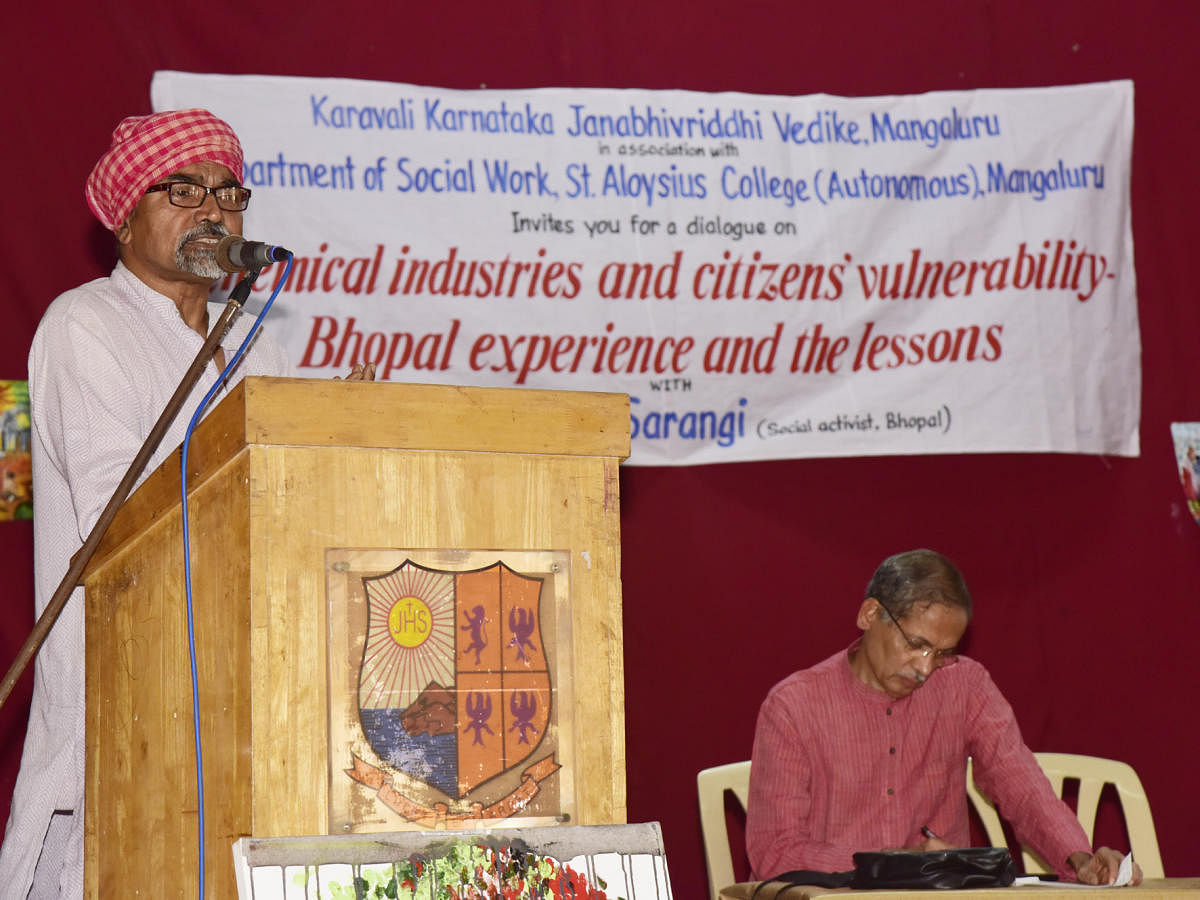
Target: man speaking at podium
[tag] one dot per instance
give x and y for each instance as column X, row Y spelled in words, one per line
column 104, row 362
column 868, row 750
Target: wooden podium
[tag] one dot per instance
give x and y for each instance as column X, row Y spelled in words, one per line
column 281, row 473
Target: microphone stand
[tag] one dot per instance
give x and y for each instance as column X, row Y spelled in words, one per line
column 84, row 555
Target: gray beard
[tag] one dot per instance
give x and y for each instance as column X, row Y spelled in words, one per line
column 198, row 261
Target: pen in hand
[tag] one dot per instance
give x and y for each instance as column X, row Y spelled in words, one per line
column 928, row 832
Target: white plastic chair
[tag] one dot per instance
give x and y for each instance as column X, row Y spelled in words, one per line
column 1093, row 773
column 712, row 785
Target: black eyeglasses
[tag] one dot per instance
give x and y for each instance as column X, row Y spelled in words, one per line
column 920, row 645
column 189, row 195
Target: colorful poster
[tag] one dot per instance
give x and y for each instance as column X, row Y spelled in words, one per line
column 1186, row 438
column 766, row 277
column 16, row 470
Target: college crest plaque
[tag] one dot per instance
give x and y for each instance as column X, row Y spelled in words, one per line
column 449, row 673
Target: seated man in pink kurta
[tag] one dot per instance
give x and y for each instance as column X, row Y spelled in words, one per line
column 864, row 750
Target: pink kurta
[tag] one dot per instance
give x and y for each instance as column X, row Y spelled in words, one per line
column 840, row 767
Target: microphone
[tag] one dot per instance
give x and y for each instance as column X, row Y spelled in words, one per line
column 235, row 253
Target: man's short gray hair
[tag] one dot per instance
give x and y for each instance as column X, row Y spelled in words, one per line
column 918, row 578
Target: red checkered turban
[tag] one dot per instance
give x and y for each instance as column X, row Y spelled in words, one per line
column 145, row 148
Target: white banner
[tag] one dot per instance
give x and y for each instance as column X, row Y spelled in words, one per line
column 766, row 277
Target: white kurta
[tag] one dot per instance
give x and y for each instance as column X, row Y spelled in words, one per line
column 105, row 360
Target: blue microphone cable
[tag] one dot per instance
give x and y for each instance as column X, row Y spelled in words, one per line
column 187, row 555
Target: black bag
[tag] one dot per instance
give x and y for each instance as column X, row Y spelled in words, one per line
column 965, row 867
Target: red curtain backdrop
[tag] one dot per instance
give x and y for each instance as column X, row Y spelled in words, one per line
column 1084, row 569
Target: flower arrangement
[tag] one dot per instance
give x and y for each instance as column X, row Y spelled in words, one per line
column 467, row 871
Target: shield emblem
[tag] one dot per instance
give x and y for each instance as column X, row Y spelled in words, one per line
column 454, row 686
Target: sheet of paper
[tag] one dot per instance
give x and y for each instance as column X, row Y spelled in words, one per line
column 1124, row 877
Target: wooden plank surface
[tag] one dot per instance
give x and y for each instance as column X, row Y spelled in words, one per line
column 435, row 417
column 322, row 412
column 310, row 499
column 141, row 821
column 263, row 516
